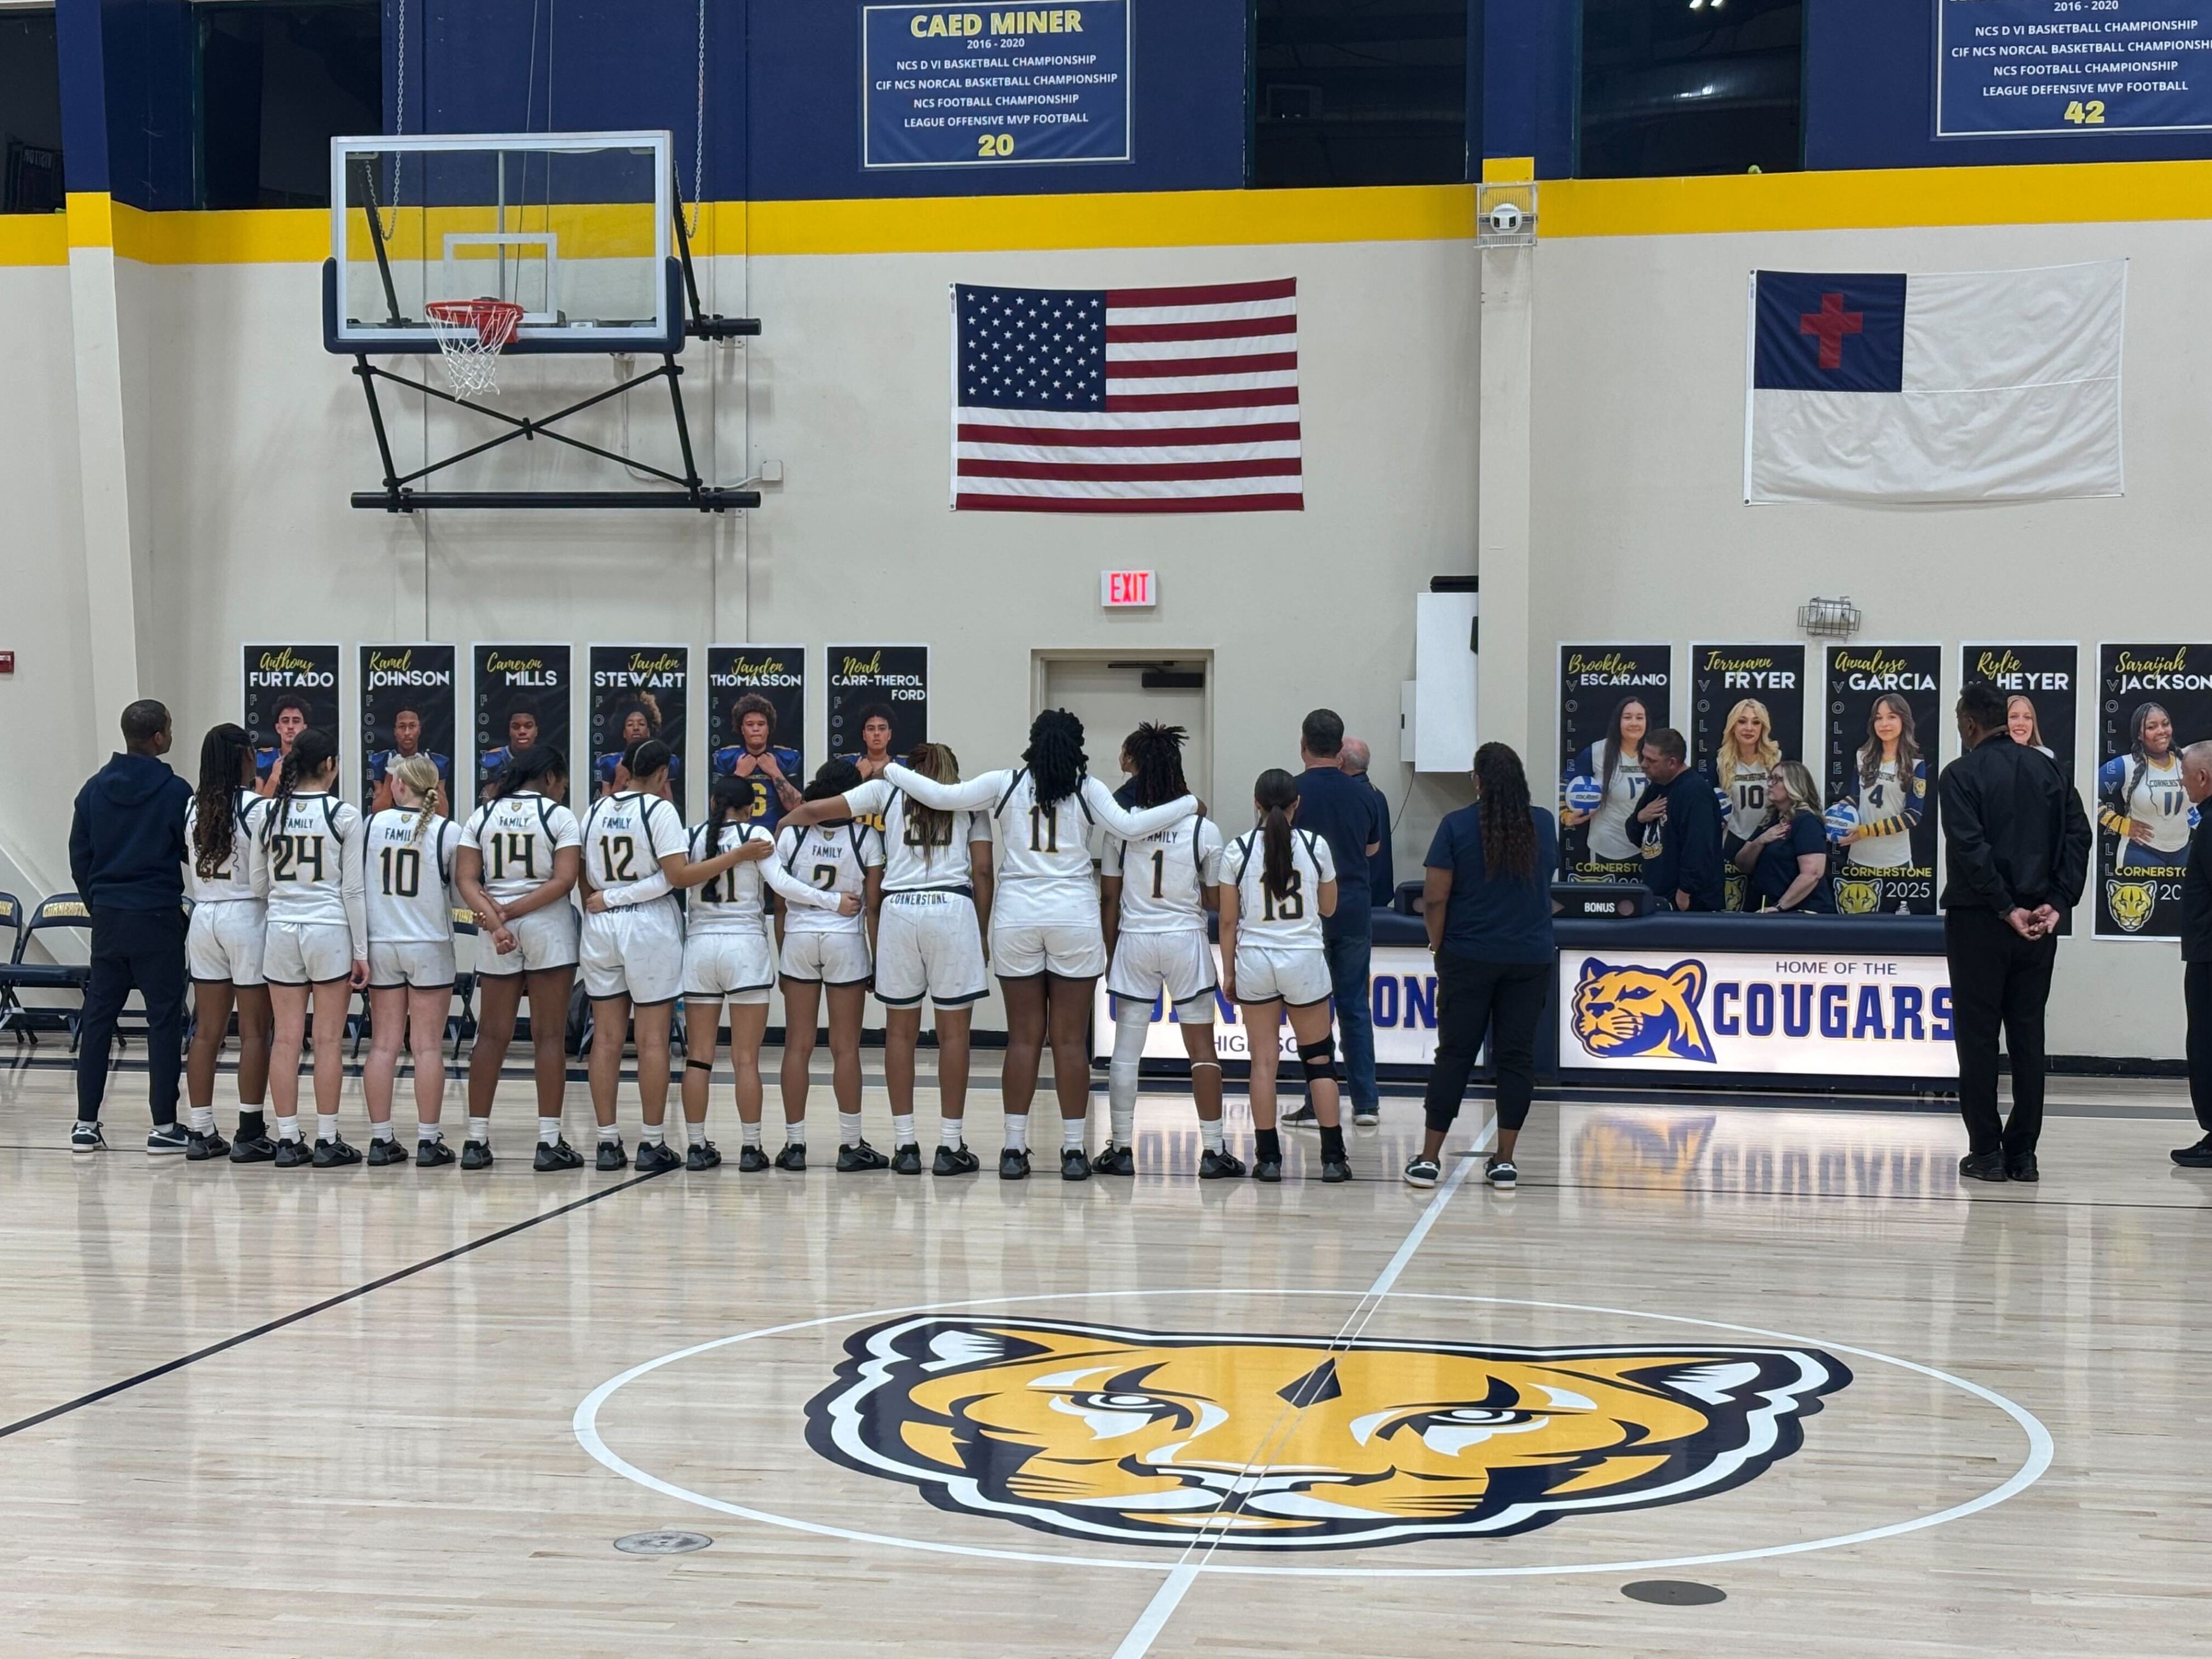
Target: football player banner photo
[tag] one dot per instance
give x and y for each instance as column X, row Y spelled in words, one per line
column 2153, row 702
column 1884, row 717
column 406, row 708
column 521, row 698
column 777, row 672
column 1746, row 715
column 883, row 681
column 288, row 688
column 638, row 691
column 1609, row 696
column 2041, row 683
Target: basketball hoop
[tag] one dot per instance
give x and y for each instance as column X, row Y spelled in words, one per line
column 471, row 333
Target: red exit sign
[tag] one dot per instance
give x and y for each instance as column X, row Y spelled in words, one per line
column 1122, row 589
column 7, row 662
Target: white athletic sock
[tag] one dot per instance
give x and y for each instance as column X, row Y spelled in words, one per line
column 549, row 1129
column 848, row 1129
column 609, row 1132
column 749, row 1133
column 380, row 1131
column 1124, row 1125
column 902, row 1128
column 696, row 1132
column 202, row 1119
column 949, row 1132
column 650, row 1134
column 794, row 1134
column 1018, row 1132
column 1210, row 1134
column 326, row 1125
column 288, row 1128
column 480, row 1129
column 430, row 1132
column 1074, row 1134
column 1131, row 1021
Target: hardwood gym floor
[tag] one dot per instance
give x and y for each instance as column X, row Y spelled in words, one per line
column 1775, row 1350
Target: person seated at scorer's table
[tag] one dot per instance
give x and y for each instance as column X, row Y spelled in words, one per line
column 1681, row 817
column 1786, row 860
column 641, row 719
column 290, row 715
column 1893, row 790
column 757, row 756
column 2141, row 797
column 1615, row 767
column 406, row 739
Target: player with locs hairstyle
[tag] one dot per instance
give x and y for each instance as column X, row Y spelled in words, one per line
column 306, row 867
column 633, row 951
column 521, row 854
column 223, row 947
column 930, row 927
column 1156, row 891
column 1277, row 882
column 1048, row 940
column 640, row 719
column 827, row 874
column 408, row 869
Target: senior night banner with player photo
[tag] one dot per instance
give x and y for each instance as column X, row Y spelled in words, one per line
column 892, row 677
column 777, row 672
column 638, row 691
column 2153, row 702
column 290, row 688
column 1746, row 715
column 521, row 695
column 1609, row 696
column 407, row 708
column 1884, row 719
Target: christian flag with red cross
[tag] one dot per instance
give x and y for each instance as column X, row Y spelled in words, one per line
column 1956, row 387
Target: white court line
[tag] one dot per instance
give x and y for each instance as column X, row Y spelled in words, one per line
column 1166, row 1599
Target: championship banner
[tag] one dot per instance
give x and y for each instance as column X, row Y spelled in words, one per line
column 1401, row 997
column 777, row 672
column 2153, row 702
column 521, row 695
column 2042, row 707
column 1609, row 696
column 638, row 691
column 2100, row 69
column 1746, row 715
column 1884, row 719
column 891, row 679
column 1791, row 1012
column 288, row 688
column 406, row 708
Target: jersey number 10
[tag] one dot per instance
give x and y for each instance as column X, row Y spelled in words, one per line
column 403, row 872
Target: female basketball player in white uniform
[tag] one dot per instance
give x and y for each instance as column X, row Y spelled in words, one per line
column 633, row 954
column 1277, row 883
column 2140, row 798
column 1048, row 945
column 1893, row 790
column 308, row 869
column 929, row 942
column 1157, row 890
column 408, row 869
column 822, row 946
column 222, row 946
column 520, row 856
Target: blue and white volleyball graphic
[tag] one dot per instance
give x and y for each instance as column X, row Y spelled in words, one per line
column 1584, row 793
column 1841, row 818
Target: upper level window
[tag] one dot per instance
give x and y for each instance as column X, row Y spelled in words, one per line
column 275, row 84
column 1358, row 92
column 30, row 114
column 1672, row 86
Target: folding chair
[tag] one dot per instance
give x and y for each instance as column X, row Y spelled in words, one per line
column 17, row 975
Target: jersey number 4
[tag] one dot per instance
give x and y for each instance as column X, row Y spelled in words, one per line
column 513, row 852
column 403, row 872
column 296, row 858
column 1292, row 906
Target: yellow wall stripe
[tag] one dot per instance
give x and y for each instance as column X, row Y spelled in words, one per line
column 33, row 239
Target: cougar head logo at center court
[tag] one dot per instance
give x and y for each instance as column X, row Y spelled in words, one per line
column 1621, row 1013
column 1295, row 1442
column 2131, row 903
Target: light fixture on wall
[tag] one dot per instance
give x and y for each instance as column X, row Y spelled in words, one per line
column 1829, row 618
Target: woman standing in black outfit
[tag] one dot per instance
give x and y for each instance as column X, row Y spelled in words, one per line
column 1488, row 904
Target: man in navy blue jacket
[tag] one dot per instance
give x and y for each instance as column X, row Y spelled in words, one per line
column 126, row 855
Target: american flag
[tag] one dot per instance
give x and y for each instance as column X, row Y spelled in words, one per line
column 1128, row 399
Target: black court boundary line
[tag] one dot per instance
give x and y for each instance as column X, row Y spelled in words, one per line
column 324, row 1306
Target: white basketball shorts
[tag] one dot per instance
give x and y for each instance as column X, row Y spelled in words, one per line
column 1065, row 950
column 417, row 963
column 226, row 941
column 636, row 952
column 543, row 938
column 732, row 967
column 1181, row 964
column 927, row 945
column 306, row 953
column 1298, row 977
column 826, row 957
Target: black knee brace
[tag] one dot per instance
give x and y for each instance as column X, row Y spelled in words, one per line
column 699, row 1064
column 1319, row 1059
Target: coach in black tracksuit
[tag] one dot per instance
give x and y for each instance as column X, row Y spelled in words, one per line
column 2017, row 845
column 126, row 855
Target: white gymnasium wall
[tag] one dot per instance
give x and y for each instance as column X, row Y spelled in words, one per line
column 1641, row 532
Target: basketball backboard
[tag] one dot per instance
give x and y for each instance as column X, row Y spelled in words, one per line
column 573, row 226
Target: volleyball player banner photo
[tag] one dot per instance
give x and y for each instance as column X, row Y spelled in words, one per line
column 1747, row 713
column 638, row 691
column 2042, row 686
column 1610, row 695
column 777, row 672
column 1126, row 400
column 865, row 678
column 2153, row 702
column 521, row 698
column 407, row 708
column 1981, row 386
column 288, row 688
column 1883, row 717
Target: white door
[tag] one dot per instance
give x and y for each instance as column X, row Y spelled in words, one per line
column 1111, row 699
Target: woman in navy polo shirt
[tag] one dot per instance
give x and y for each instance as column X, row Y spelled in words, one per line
column 1488, row 903
column 1786, row 863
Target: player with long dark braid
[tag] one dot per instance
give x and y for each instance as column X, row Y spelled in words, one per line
column 223, row 946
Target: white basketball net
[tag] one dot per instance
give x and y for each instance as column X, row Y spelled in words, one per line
column 471, row 333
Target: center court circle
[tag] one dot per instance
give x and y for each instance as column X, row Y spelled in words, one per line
column 584, row 1423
